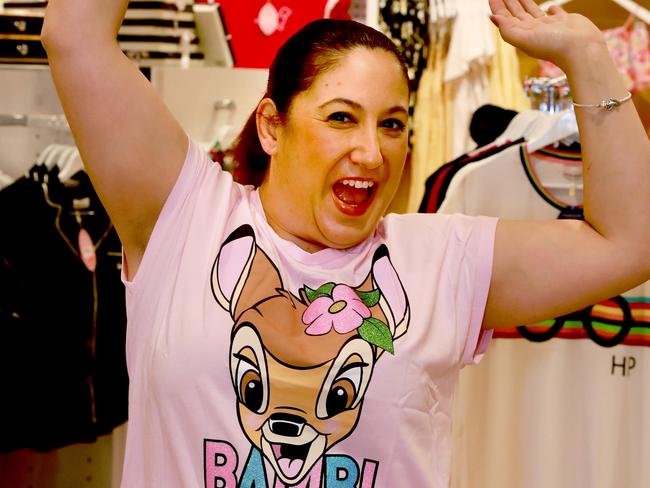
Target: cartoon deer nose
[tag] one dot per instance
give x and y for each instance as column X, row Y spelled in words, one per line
column 286, row 424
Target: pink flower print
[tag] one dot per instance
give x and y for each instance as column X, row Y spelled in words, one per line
column 344, row 311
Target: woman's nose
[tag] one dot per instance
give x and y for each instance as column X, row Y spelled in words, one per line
column 367, row 151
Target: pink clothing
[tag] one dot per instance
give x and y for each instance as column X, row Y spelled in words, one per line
column 227, row 387
column 629, row 49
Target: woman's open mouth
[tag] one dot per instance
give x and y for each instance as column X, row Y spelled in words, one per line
column 353, row 196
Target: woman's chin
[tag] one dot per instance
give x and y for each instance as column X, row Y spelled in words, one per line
column 342, row 235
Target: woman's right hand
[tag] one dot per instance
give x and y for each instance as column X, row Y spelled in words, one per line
column 559, row 37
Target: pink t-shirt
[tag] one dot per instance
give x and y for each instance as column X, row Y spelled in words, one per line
column 253, row 363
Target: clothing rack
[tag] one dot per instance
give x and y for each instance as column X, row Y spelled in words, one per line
column 634, row 8
column 548, row 94
column 40, row 121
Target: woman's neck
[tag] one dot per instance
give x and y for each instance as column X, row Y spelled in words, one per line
column 280, row 229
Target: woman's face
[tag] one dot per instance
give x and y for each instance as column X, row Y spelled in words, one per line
column 340, row 154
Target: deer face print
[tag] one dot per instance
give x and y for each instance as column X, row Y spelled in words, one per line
column 300, row 365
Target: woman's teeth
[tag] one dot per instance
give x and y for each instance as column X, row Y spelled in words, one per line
column 358, row 183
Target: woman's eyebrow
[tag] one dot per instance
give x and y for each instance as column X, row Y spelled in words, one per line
column 346, row 101
column 358, row 106
column 397, row 109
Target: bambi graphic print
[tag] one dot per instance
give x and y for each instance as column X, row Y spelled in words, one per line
column 300, row 366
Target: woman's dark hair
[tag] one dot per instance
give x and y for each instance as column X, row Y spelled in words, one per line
column 315, row 48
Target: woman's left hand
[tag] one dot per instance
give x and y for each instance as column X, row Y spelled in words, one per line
column 559, row 37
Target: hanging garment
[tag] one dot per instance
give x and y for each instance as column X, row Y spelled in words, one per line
column 471, row 49
column 428, row 125
column 629, row 48
column 571, row 411
column 505, row 86
column 62, row 315
column 437, row 184
column 406, row 23
column 488, row 123
column 506, row 127
column 513, row 164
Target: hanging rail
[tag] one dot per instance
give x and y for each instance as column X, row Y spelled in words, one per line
column 629, row 5
column 40, row 121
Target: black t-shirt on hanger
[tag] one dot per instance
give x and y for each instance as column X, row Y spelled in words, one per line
column 62, row 326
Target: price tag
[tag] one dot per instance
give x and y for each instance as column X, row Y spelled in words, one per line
column 87, row 250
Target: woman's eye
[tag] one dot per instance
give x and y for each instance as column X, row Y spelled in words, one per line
column 394, row 124
column 340, row 117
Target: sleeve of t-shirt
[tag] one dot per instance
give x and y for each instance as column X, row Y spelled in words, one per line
column 445, row 262
column 475, row 275
column 202, row 187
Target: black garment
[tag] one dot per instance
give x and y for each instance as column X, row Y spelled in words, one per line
column 572, row 213
column 489, row 122
column 62, row 327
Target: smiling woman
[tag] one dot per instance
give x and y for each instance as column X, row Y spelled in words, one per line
column 293, row 334
column 316, row 48
column 339, row 152
column 334, row 112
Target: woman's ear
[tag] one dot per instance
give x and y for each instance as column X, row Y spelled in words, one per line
column 268, row 120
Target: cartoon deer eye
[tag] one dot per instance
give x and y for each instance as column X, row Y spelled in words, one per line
column 249, row 385
column 248, row 369
column 346, row 381
column 340, row 397
column 343, row 392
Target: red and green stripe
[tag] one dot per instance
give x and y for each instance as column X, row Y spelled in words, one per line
column 606, row 319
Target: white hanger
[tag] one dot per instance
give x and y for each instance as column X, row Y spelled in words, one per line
column 54, row 155
column 45, row 154
column 634, row 8
column 50, row 159
column 558, row 126
column 5, row 180
column 520, row 126
column 71, row 165
column 65, row 155
column 540, row 129
column 40, row 160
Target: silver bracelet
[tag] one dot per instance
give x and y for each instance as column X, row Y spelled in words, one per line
column 607, row 104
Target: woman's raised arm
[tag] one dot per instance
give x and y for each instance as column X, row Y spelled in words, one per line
column 546, row 269
column 131, row 145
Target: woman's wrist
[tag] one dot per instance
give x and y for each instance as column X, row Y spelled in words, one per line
column 593, row 75
column 579, row 56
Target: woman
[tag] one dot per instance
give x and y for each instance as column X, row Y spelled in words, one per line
column 258, row 318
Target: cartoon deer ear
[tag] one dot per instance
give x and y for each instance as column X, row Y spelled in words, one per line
column 242, row 274
column 393, row 301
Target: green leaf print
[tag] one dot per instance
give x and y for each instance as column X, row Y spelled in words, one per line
column 323, row 291
column 376, row 332
column 369, row 298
